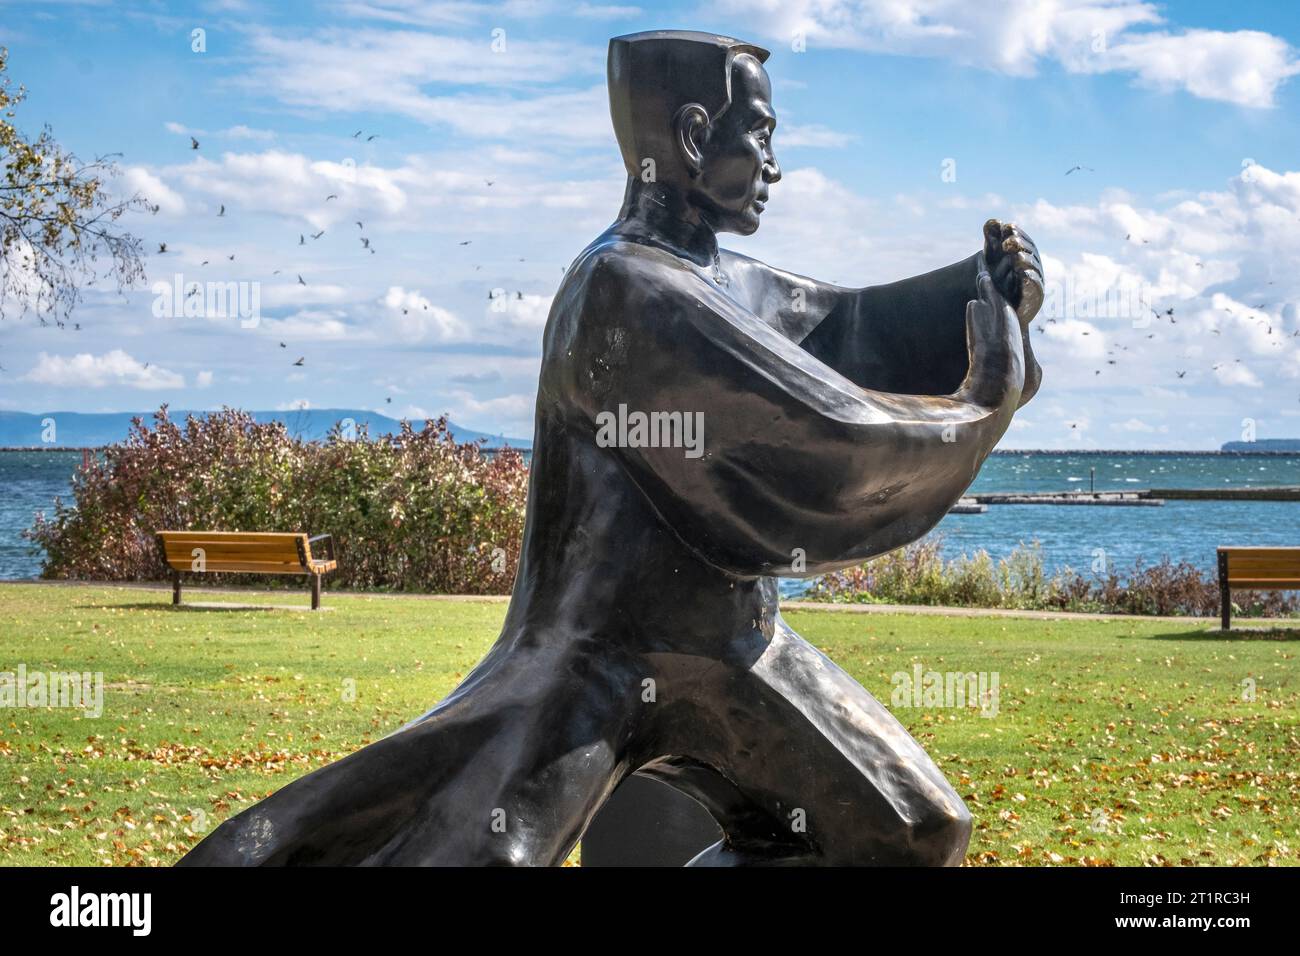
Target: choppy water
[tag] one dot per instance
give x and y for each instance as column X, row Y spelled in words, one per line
column 29, row 482
column 1181, row 530
column 1070, row 536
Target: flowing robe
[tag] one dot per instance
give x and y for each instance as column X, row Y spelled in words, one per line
column 644, row 633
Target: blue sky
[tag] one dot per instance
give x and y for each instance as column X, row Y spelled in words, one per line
column 902, row 126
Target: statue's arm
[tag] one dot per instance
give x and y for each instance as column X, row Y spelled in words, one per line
column 799, row 465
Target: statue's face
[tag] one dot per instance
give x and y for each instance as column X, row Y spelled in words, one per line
column 738, row 163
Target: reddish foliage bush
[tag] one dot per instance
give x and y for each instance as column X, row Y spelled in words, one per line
column 414, row 511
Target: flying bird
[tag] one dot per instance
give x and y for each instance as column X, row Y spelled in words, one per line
column 162, row 248
column 301, row 281
column 222, row 210
column 465, row 243
column 300, row 360
column 194, row 143
column 1075, row 169
column 319, row 234
column 331, row 196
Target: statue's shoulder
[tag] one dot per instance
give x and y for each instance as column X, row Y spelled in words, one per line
column 614, row 258
column 617, row 283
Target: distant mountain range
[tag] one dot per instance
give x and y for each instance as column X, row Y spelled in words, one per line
column 94, row 430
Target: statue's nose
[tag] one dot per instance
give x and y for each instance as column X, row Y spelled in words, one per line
column 771, row 171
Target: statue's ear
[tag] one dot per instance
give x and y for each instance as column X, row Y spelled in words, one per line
column 690, row 126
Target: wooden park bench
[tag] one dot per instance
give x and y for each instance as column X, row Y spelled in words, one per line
column 1261, row 569
column 250, row 552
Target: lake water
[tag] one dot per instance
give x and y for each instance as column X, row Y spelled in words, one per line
column 1069, row 535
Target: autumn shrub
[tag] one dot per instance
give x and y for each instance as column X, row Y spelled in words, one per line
column 414, row 511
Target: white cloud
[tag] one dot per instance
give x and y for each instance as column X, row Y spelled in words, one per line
column 811, row 135
column 240, row 131
column 293, row 294
column 1234, row 373
column 414, row 318
column 203, row 380
column 516, row 313
column 308, row 326
column 514, row 412
column 291, row 184
column 1243, row 67
column 84, row 370
column 1082, row 339
column 137, row 180
column 388, row 71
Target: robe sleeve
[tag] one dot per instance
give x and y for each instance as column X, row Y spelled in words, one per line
column 907, row 336
column 801, row 469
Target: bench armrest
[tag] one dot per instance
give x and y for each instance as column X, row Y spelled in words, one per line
column 327, row 545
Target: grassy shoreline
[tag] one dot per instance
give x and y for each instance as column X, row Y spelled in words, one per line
column 1117, row 741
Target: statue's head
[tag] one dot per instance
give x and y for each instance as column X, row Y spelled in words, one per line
column 694, row 111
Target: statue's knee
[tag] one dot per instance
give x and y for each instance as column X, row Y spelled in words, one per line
column 939, row 837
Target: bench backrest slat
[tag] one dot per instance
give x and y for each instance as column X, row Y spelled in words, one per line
column 1262, row 567
column 264, row 552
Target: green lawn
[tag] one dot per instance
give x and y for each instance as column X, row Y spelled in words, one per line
column 1114, row 742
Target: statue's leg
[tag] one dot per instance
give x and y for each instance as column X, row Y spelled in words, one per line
column 815, row 770
column 507, row 770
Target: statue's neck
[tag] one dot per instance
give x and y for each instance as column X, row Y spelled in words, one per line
column 660, row 212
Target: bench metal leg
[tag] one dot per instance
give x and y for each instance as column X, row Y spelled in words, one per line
column 176, row 587
column 1225, row 594
column 315, row 592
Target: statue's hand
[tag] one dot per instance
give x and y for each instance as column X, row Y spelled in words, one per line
column 996, row 367
column 1017, row 272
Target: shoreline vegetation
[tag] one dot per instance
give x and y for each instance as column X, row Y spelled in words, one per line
column 1001, row 452
column 418, row 512
column 919, row 575
column 413, row 511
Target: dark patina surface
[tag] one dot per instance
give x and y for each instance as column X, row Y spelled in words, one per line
column 644, row 634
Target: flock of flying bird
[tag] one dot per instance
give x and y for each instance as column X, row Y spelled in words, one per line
column 1112, row 358
column 1112, row 354
column 302, row 241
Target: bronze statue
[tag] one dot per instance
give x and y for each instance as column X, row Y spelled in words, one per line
column 705, row 423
